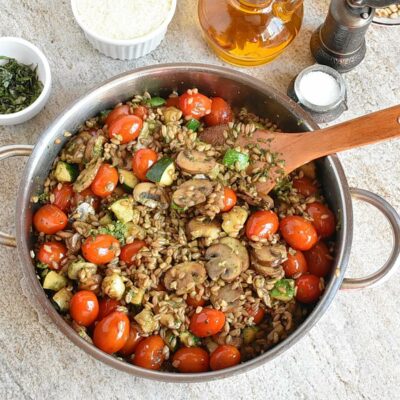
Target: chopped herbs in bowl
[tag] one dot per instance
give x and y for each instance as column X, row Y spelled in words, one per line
column 25, row 80
column 19, row 85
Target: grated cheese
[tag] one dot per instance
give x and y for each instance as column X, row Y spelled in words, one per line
column 123, row 19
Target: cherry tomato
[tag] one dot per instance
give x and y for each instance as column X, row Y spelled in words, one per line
column 173, row 102
column 105, row 181
column 87, row 196
column 142, row 160
column 129, row 251
column 295, row 265
column 116, row 113
column 134, row 339
column 304, row 186
column 140, row 112
column 191, row 359
column 262, row 224
column 112, row 332
column 194, row 301
column 319, row 260
column 196, row 105
column 49, row 219
column 257, row 314
column 298, row 232
column 63, row 194
column 100, row 249
column 308, row 289
column 221, row 112
column 207, row 323
column 323, row 219
column 149, row 353
column 224, row 356
column 125, row 128
column 84, row 307
column 51, row 253
column 229, row 199
column 107, row 306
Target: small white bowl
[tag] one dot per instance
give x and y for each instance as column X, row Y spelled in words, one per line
column 26, row 53
column 126, row 49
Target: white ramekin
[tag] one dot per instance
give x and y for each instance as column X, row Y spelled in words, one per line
column 126, row 49
column 27, row 53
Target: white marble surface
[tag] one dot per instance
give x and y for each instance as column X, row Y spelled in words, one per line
column 352, row 353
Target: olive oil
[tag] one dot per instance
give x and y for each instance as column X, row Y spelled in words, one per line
column 250, row 32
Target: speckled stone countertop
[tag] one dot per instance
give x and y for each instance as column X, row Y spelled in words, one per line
column 354, row 350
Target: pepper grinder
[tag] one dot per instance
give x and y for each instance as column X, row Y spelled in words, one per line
column 340, row 41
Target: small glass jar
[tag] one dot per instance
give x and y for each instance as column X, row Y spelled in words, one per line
column 250, row 32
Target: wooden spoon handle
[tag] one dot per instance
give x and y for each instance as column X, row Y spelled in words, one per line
column 372, row 128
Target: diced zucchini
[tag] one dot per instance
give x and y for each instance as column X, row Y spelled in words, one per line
column 249, row 334
column 234, row 158
column 146, row 321
column 162, row 172
column 62, row 298
column 171, row 114
column 65, row 172
column 193, row 124
column 77, row 266
column 283, row 290
column 127, row 179
column 123, row 209
column 135, row 231
column 171, row 340
column 54, row 281
column 156, row 102
column 188, row 339
column 105, row 220
column 136, row 296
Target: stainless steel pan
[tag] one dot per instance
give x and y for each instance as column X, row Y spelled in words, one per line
column 240, row 90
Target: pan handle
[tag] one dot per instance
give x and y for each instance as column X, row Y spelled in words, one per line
column 15, row 150
column 383, row 273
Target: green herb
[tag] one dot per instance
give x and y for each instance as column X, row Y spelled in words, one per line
column 116, row 229
column 40, row 265
column 283, row 188
column 193, row 125
column 283, row 290
column 19, row 86
column 233, row 158
column 176, row 207
column 156, row 102
column 44, row 198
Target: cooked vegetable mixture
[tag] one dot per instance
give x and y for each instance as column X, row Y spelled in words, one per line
column 157, row 243
column 19, row 85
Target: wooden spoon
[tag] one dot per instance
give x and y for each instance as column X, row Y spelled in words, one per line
column 297, row 149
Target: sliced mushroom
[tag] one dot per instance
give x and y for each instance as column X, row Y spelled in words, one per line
column 197, row 229
column 74, row 150
column 195, row 162
column 94, row 148
column 239, row 249
column 223, row 263
column 233, row 221
column 86, row 177
column 73, row 243
column 150, row 195
column 192, row 192
column 214, row 135
column 309, row 170
column 269, row 256
column 265, row 201
column 227, row 297
column 184, row 277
